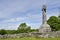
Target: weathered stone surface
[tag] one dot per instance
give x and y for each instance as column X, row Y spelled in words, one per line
column 44, row 28
column 45, row 35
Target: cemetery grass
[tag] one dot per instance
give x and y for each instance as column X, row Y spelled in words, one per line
column 31, row 38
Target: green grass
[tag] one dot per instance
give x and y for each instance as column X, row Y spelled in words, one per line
column 31, row 38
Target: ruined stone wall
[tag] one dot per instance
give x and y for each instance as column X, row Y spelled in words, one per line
column 51, row 34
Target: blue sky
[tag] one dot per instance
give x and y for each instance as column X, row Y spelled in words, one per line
column 15, row 12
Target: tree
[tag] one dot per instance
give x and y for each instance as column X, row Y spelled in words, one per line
column 59, row 19
column 34, row 30
column 23, row 28
column 54, row 23
column 2, row 32
column 59, row 16
column 28, row 29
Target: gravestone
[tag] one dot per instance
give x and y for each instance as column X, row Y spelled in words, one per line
column 44, row 28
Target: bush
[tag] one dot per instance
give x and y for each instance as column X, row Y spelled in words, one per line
column 2, row 32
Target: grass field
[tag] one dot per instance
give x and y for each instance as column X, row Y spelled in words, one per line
column 32, row 38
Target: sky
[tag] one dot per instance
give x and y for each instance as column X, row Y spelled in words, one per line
column 15, row 12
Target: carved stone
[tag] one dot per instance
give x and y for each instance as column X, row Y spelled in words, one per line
column 44, row 28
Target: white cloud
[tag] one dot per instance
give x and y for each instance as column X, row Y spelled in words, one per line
column 39, row 15
column 8, row 9
column 14, row 19
column 28, row 17
column 54, row 12
column 9, row 26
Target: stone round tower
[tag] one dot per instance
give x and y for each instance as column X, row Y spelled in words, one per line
column 44, row 28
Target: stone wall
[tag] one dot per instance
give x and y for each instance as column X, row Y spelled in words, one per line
column 15, row 35
column 51, row 34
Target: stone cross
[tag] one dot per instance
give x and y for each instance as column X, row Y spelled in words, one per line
column 44, row 14
column 44, row 28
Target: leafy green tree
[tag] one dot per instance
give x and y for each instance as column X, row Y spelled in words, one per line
column 34, row 30
column 23, row 28
column 28, row 29
column 2, row 32
column 54, row 23
column 59, row 16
